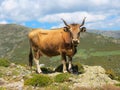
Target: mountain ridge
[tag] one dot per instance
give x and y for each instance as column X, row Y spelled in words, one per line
column 110, row 33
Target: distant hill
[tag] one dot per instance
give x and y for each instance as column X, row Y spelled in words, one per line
column 114, row 34
column 11, row 36
column 94, row 49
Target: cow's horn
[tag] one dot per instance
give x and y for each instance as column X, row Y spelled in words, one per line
column 83, row 21
column 64, row 22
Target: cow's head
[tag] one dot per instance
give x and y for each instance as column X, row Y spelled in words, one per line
column 75, row 30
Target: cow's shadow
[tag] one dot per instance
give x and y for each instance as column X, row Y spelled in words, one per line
column 47, row 70
column 75, row 69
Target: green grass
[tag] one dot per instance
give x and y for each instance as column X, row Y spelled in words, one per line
column 105, row 53
column 118, row 84
column 4, row 62
column 82, row 53
column 58, row 87
column 3, row 88
column 108, row 62
column 1, row 74
column 38, row 80
column 60, row 78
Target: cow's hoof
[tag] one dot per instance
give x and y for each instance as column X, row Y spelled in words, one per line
column 71, row 70
column 76, row 73
column 64, row 71
column 39, row 72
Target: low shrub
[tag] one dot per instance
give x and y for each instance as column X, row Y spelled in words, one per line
column 118, row 78
column 118, row 84
column 111, row 74
column 62, row 77
column 3, row 88
column 1, row 74
column 4, row 62
column 38, row 80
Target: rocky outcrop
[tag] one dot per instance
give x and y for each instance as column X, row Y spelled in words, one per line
column 12, row 77
column 94, row 76
column 15, row 85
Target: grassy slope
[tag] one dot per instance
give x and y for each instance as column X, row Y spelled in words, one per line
column 99, row 50
column 93, row 50
column 11, row 36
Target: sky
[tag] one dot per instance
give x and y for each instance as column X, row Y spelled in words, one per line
column 47, row 14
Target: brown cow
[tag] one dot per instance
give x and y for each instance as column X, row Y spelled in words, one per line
column 62, row 41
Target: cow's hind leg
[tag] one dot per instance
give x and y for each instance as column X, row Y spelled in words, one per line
column 36, row 59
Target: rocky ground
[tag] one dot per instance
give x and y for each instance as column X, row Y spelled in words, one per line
column 12, row 78
column 93, row 77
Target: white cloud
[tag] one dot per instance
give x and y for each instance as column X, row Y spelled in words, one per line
column 73, row 17
column 9, row 5
column 96, row 11
column 20, row 10
column 92, row 20
column 3, row 22
column 100, row 2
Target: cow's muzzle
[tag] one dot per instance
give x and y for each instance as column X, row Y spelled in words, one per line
column 75, row 41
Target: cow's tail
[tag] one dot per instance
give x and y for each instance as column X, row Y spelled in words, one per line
column 30, row 56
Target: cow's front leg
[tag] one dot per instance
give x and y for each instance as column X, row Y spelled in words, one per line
column 64, row 63
column 70, row 64
column 37, row 65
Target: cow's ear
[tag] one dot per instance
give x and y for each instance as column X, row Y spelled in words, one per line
column 83, row 29
column 66, row 29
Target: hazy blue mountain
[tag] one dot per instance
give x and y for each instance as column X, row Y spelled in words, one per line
column 110, row 33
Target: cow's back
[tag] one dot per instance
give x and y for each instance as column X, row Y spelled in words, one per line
column 49, row 42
